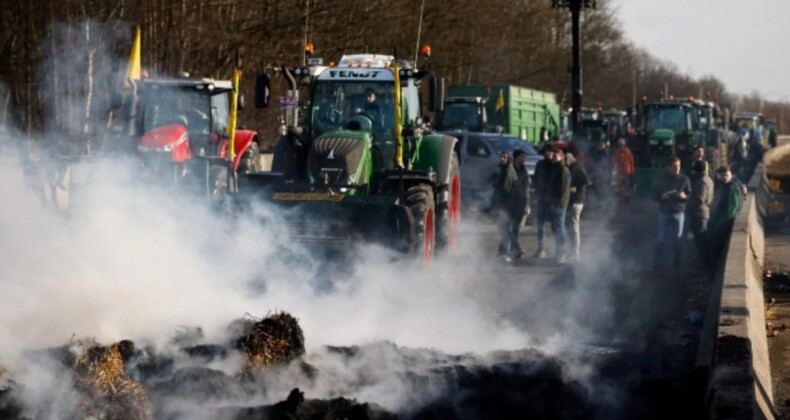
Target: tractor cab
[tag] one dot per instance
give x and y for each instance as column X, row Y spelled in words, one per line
column 185, row 115
column 360, row 95
column 464, row 114
column 668, row 130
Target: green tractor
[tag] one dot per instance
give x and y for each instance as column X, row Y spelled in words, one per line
column 360, row 165
column 668, row 128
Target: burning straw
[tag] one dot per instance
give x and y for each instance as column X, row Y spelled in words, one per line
column 107, row 392
column 275, row 339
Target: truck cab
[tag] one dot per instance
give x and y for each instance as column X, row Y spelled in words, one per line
column 464, row 114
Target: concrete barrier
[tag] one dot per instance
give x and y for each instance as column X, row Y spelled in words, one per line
column 734, row 345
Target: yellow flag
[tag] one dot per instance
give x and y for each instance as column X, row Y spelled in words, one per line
column 500, row 102
column 133, row 68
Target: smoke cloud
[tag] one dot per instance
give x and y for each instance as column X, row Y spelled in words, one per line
column 130, row 259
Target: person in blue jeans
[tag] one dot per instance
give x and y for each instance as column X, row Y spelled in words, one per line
column 671, row 190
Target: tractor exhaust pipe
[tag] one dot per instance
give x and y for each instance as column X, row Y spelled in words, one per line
column 289, row 77
column 292, row 109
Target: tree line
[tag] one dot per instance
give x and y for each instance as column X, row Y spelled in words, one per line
column 64, row 59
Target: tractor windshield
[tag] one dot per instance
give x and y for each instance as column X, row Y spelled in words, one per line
column 671, row 118
column 351, row 105
column 466, row 116
column 165, row 105
column 747, row 122
column 706, row 118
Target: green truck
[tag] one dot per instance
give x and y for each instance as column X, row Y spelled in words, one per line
column 523, row 112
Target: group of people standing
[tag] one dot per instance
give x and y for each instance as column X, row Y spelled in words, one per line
column 559, row 183
column 688, row 202
column 707, row 207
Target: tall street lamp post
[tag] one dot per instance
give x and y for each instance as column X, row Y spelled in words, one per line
column 575, row 7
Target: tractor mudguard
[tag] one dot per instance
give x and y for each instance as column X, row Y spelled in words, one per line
column 242, row 142
column 436, row 152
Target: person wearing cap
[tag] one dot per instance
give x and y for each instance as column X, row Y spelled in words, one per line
column 511, row 200
column 372, row 109
column 623, row 168
column 699, row 203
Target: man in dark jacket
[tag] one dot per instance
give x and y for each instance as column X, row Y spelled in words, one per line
column 699, row 209
column 512, row 192
column 598, row 169
column 556, row 196
column 579, row 181
column 671, row 190
column 539, row 181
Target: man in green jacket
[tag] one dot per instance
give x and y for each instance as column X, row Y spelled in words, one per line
column 727, row 203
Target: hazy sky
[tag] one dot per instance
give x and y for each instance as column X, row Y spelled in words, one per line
column 742, row 42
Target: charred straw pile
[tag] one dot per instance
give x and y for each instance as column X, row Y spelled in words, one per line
column 106, row 391
column 275, row 339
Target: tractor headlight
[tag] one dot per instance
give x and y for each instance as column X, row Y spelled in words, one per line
column 668, row 142
column 161, row 149
column 653, row 142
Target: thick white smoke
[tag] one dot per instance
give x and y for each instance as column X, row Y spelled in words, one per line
column 132, row 260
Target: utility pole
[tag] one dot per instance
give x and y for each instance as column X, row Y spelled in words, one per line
column 575, row 7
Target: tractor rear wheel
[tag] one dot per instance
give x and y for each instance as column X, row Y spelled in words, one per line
column 250, row 160
column 419, row 199
column 448, row 209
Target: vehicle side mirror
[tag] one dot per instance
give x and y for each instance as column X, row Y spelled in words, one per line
column 240, row 101
column 436, row 94
column 261, row 91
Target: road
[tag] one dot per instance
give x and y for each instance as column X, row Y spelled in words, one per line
column 636, row 328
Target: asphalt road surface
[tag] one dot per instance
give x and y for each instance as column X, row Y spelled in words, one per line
column 637, row 329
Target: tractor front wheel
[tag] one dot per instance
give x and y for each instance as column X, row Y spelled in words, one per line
column 419, row 199
column 250, row 160
column 448, row 209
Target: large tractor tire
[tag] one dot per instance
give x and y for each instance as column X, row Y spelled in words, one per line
column 419, row 199
column 448, row 210
column 217, row 183
column 250, row 160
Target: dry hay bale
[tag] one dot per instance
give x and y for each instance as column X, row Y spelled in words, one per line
column 277, row 338
column 5, row 377
column 107, row 392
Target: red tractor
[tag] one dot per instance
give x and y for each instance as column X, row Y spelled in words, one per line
column 176, row 120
